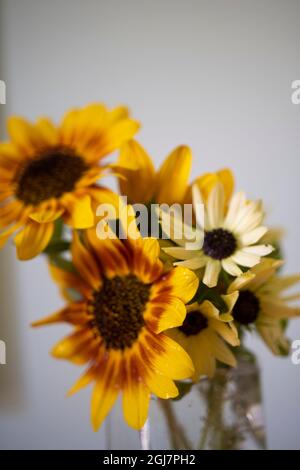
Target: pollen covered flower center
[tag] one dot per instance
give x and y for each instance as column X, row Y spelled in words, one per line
column 52, row 174
column 219, row 244
column 246, row 309
column 194, row 322
column 119, row 310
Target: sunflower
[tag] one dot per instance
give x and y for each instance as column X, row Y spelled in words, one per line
column 47, row 172
column 262, row 303
column 203, row 335
column 229, row 235
column 127, row 302
column 141, row 183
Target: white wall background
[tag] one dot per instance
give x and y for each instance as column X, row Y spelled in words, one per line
column 214, row 74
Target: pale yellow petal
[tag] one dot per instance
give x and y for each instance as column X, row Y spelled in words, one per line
column 212, row 271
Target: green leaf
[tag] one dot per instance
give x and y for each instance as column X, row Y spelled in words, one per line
column 56, row 247
column 62, row 263
column 183, row 389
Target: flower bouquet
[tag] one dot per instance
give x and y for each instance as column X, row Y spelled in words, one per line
column 160, row 281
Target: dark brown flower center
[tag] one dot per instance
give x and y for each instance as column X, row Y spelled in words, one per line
column 247, row 307
column 50, row 175
column 194, row 322
column 219, row 243
column 119, row 310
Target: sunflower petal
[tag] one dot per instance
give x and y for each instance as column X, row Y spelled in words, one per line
column 179, row 282
column 48, row 131
column 161, row 316
column 146, row 263
column 115, row 136
column 138, row 172
column 85, row 263
column 176, row 169
column 33, row 239
column 77, row 347
column 105, row 392
column 136, row 398
column 68, row 280
column 50, row 214
column 88, row 377
column 111, row 253
column 80, row 210
column 171, row 360
column 24, row 135
column 161, row 386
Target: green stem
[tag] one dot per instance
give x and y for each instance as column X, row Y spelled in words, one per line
column 178, row 438
column 214, row 423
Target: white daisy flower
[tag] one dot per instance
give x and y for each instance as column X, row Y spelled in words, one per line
column 230, row 235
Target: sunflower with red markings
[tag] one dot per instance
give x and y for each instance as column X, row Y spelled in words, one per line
column 48, row 172
column 127, row 303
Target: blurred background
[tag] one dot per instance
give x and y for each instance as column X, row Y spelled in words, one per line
column 214, row 74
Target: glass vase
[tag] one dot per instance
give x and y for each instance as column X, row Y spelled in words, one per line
column 222, row 413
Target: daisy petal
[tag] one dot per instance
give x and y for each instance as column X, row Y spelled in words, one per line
column 212, row 272
column 259, row 250
column 221, row 351
column 250, row 222
column 230, row 266
column 227, row 333
column 199, row 349
column 245, row 259
column 252, row 237
column 237, row 201
column 241, row 282
column 193, row 264
column 230, row 299
column 215, row 206
column 274, row 338
column 180, row 253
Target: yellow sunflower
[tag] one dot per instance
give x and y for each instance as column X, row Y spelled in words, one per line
column 141, row 183
column 263, row 303
column 127, row 303
column 47, row 172
column 229, row 235
column 203, row 335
